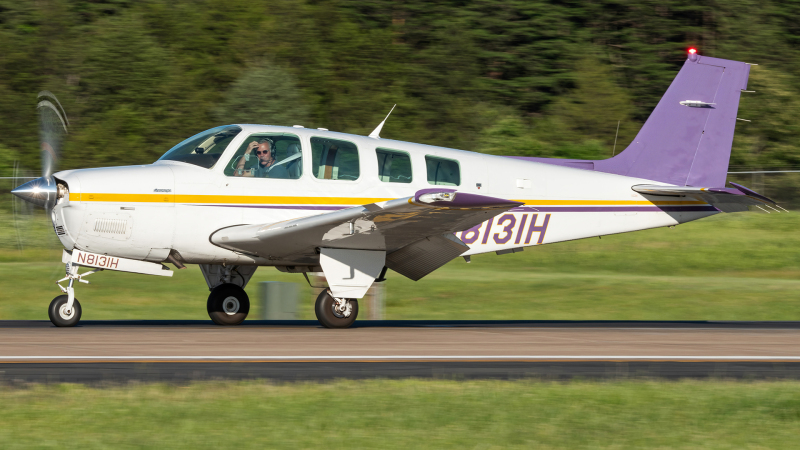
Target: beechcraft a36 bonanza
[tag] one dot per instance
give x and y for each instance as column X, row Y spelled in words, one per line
column 237, row 197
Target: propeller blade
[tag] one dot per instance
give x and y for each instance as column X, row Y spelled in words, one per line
column 53, row 126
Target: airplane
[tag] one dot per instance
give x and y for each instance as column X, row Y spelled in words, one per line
column 349, row 207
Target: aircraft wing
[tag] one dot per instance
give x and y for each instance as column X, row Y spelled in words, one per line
column 416, row 232
column 733, row 199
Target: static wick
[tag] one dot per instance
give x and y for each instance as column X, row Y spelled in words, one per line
column 613, row 152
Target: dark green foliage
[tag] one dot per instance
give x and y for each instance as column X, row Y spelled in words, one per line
column 522, row 77
column 263, row 94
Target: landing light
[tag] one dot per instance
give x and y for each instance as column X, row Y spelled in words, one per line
column 437, row 197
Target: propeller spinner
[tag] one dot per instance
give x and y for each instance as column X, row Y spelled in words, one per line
column 53, row 126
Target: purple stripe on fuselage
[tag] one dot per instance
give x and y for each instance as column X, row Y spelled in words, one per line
column 699, row 208
column 691, row 208
column 688, row 208
column 323, row 208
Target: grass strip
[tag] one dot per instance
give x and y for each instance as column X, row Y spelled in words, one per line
column 405, row 414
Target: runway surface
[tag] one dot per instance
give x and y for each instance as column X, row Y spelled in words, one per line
column 98, row 351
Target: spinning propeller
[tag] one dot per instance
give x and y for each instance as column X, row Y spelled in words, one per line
column 53, row 125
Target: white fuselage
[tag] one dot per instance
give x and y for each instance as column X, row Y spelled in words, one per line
column 144, row 212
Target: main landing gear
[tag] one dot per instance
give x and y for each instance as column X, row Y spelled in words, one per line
column 335, row 312
column 228, row 304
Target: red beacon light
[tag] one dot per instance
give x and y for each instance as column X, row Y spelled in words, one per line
column 692, row 54
column 692, row 51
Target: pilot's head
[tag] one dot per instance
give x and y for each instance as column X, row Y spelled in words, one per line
column 265, row 151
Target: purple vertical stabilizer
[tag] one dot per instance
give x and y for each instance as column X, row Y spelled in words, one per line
column 685, row 144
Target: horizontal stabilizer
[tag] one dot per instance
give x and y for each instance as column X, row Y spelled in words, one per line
column 725, row 199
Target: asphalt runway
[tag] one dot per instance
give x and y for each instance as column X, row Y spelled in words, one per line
column 180, row 351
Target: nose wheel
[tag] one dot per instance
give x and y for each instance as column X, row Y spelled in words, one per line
column 61, row 314
column 65, row 310
column 228, row 304
column 335, row 312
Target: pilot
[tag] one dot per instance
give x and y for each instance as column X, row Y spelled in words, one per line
column 266, row 168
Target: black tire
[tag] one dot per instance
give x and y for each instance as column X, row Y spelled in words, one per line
column 228, row 304
column 328, row 317
column 57, row 314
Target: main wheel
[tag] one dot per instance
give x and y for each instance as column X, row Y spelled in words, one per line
column 60, row 316
column 228, row 304
column 335, row 313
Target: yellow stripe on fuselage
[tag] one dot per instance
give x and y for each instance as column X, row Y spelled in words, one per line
column 225, row 199
column 281, row 200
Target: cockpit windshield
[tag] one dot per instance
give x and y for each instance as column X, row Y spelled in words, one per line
column 203, row 149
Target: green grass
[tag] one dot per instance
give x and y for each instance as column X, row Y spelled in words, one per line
column 728, row 267
column 405, row 414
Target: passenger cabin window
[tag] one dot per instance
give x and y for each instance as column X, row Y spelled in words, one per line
column 333, row 159
column 203, row 149
column 441, row 171
column 268, row 155
column 393, row 166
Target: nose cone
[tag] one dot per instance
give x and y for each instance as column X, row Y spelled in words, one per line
column 41, row 192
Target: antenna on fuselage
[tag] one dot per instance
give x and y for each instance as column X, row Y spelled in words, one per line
column 377, row 131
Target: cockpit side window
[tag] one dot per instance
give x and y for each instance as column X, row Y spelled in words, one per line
column 333, row 159
column 393, row 166
column 203, row 149
column 441, row 171
column 268, row 155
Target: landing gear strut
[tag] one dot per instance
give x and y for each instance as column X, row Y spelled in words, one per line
column 228, row 304
column 335, row 312
column 65, row 310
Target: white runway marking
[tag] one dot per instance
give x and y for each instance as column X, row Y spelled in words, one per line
column 402, row 358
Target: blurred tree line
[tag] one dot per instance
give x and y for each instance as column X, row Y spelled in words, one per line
column 514, row 77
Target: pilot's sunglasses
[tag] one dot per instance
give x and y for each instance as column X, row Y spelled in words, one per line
column 259, row 152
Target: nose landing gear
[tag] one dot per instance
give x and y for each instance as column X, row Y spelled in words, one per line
column 62, row 314
column 65, row 310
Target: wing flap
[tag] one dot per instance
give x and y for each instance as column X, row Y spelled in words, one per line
column 426, row 255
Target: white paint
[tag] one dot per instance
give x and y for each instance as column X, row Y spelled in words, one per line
column 350, row 273
column 523, row 183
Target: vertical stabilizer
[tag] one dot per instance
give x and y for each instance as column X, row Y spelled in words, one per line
column 687, row 139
